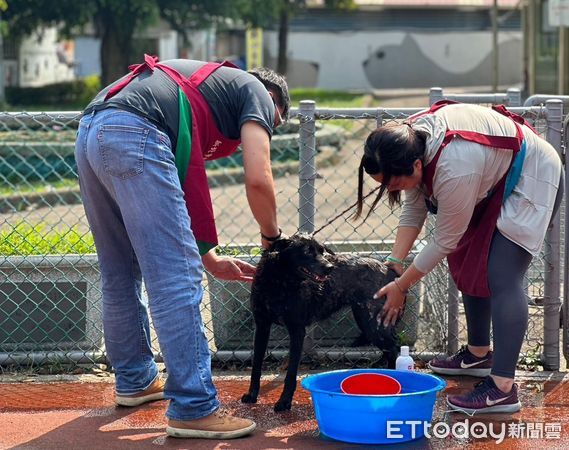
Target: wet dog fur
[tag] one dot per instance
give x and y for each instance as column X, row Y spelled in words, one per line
column 298, row 282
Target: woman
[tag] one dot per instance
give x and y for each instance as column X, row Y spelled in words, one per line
column 494, row 185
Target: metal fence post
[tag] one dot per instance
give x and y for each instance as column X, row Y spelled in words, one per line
column 435, row 94
column 552, row 302
column 566, row 247
column 514, row 96
column 307, row 167
column 379, row 117
column 306, row 191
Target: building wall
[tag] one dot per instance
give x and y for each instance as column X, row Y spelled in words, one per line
column 43, row 59
column 398, row 59
column 160, row 40
column 88, row 56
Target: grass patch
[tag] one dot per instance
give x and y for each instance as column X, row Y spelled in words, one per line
column 24, row 240
column 327, row 98
column 39, row 136
column 38, row 187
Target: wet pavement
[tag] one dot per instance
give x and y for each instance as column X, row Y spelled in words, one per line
column 81, row 415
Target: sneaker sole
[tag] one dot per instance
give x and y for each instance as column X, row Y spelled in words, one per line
column 136, row 401
column 510, row 408
column 472, row 372
column 203, row 434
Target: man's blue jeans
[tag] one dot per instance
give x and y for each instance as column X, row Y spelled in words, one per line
column 137, row 213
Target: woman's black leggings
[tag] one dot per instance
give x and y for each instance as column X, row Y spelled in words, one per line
column 507, row 307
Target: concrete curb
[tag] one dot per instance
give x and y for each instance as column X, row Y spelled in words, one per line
column 107, row 377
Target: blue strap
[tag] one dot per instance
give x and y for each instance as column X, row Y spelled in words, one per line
column 515, row 171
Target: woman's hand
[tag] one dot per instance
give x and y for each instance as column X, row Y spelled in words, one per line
column 396, row 291
column 396, row 267
column 226, row 268
column 393, row 306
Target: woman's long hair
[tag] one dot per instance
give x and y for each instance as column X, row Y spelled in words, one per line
column 391, row 151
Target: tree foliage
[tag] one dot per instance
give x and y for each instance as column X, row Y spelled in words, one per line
column 194, row 15
column 116, row 22
column 277, row 14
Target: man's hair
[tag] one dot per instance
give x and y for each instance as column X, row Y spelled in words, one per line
column 275, row 83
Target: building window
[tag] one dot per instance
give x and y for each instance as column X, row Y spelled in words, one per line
column 10, row 48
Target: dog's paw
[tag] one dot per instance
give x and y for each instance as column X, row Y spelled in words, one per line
column 249, row 398
column 283, row 405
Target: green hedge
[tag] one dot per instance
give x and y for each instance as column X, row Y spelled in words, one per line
column 77, row 93
column 24, row 239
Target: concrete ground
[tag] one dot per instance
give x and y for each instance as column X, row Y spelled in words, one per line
column 78, row 412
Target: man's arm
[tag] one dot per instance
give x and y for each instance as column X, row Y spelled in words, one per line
column 259, row 184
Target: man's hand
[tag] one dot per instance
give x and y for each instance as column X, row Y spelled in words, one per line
column 230, row 269
column 265, row 243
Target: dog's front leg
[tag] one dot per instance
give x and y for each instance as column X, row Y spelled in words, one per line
column 262, row 333
column 296, row 334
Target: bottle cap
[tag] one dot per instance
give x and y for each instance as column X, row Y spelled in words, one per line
column 404, row 350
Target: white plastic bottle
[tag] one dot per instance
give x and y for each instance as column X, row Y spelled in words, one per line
column 404, row 361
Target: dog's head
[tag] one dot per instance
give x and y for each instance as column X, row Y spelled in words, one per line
column 304, row 254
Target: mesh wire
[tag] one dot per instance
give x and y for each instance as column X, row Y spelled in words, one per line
column 50, row 297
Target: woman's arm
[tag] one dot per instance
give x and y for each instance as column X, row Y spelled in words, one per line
column 404, row 240
column 456, row 197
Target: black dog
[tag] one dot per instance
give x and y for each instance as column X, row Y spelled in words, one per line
column 298, row 282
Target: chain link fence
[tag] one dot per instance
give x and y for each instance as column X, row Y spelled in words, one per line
column 50, row 298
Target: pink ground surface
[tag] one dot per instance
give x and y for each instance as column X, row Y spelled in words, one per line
column 82, row 415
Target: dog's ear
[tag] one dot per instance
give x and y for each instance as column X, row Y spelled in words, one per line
column 390, row 275
column 329, row 250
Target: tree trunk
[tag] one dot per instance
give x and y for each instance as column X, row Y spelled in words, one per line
column 115, row 54
column 283, row 44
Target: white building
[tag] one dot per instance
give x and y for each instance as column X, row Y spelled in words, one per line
column 38, row 60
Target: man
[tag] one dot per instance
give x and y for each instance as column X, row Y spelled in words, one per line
column 140, row 152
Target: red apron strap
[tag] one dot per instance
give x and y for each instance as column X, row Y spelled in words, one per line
column 206, row 70
column 151, row 62
column 515, row 117
column 506, row 142
column 434, row 107
column 429, row 169
column 468, row 263
column 135, row 69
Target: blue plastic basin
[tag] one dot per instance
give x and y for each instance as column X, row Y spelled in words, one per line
column 368, row 419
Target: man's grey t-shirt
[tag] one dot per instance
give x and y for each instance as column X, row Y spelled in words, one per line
column 233, row 95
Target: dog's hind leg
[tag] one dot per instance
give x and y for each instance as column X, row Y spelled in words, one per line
column 361, row 341
column 296, row 334
column 262, row 333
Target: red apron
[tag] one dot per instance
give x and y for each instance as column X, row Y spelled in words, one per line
column 468, row 263
column 207, row 143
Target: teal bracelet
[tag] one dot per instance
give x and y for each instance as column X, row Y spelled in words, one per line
column 394, row 260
